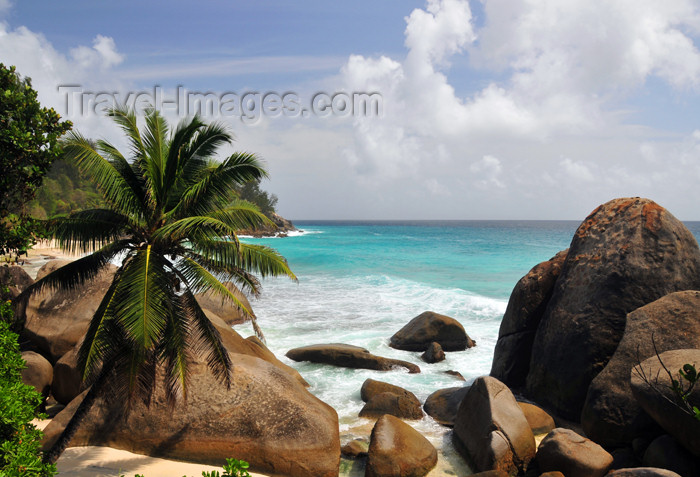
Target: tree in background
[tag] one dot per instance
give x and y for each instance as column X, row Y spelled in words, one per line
column 28, row 145
column 171, row 221
column 251, row 192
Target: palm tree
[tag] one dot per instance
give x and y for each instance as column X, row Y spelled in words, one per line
column 172, row 222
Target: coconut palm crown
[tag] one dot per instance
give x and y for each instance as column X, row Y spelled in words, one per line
column 171, row 222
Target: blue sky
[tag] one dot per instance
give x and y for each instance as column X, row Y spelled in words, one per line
column 493, row 109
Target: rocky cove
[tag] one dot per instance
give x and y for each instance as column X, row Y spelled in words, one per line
column 574, row 329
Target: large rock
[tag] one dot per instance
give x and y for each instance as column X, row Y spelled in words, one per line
column 527, row 303
column 38, row 373
column 67, row 381
column 540, row 422
column 252, row 346
column 627, row 253
column 665, row 453
column 572, row 454
column 491, row 431
column 398, row 450
column 267, row 418
column 225, row 309
column 372, row 387
column 396, row 405
column 642, row 472
column 347, row 356
column 427, row 327
column 15, row 278
column 442, row 405
column 611, row 415
column 655, row 396
column 434, row 353
column 56, row 321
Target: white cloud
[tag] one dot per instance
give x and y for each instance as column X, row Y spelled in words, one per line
column 103, row 54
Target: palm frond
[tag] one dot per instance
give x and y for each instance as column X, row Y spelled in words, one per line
column 88, row 230
column 259, row 259
column 143, row 298
column 215, row 186
column 126, row 170
column 208, row 340
column 99, row 341
column 227, row 272
column 114, row 188
column 155, row 142
column 193, row 228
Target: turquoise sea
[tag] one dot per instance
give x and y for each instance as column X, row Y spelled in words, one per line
column 360, row 282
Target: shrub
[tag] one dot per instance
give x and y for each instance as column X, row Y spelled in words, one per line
column 19, row 439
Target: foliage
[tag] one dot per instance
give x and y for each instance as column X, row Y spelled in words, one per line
column 29, row 137
column 232, row 468
column 681, row 386
column 20, row 441
column 63, row 191
column 251, row 192
column 171, row 220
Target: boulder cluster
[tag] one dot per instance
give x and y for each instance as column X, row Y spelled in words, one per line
column 585, row 379
column 267, row 417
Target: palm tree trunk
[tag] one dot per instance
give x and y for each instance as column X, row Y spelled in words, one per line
column 52, row 455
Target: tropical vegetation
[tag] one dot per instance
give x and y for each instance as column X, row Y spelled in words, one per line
column 20, row 441
column 171, row 224
column 29, row 143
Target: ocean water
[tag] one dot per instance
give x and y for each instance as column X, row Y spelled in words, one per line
column 360, row 282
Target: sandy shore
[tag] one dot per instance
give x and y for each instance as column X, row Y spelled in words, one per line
column 93, row 461
column 107, row 462
column 44, row 251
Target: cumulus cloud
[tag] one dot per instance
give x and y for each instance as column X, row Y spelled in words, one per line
column 550, row 113
column 103, row 54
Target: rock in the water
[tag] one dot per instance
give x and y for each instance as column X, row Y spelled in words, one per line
column 56, row 321
column 490, row 429
column 642, row 472
column 398, row 450
column 455, row 374
column 491, row 473
column 434, row 353
column 442, row 405
column 347, row 356
column 658, row 399
column 611, row 415
column 38, row 373
column 400, row 406
column 540, row 422
column 627, row 253
column 67, row 382
column 372, row 387
column 225, row 309
column 554, row 473
column 355, row 449
column 431, row 327
column 528, row 300
column 267, row 418
column 665, row 453
column 572, row 454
